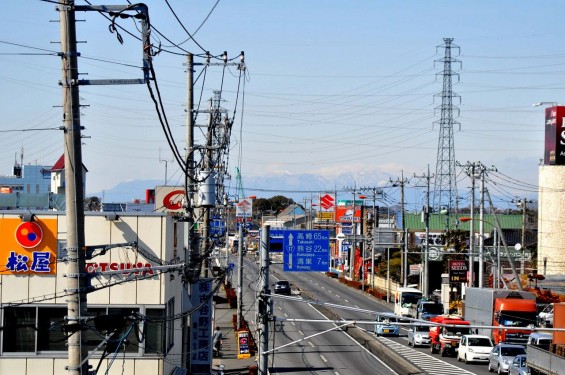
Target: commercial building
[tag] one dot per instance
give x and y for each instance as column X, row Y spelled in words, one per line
column 134, row 323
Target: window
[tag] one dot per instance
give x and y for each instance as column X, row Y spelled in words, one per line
column 33, row 329
column 155, row 331
column 38, row 329
column 170, row 323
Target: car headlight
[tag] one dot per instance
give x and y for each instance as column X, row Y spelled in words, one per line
column 505, row 362
column 471, row 350
column 418, row 336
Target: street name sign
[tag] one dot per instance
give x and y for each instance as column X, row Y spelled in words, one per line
column 305, row 250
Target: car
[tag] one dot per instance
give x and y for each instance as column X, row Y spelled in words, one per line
column 474, row 348
column 419, row 336
column 545, row 317
column 502, row 356
column 282, row 287
column 384, row 325
column 518, row 366
column 540, row 339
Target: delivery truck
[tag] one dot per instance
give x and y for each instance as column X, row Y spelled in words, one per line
column 509, row 311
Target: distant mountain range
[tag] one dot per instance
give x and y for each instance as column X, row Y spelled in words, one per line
column 295, row 186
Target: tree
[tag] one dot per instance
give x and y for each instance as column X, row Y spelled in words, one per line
column 92, row 204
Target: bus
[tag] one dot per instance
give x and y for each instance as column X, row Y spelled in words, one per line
column 405, row 300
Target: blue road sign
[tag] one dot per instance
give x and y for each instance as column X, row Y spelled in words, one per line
column 305, row 250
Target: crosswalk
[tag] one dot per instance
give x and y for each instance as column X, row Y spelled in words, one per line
column 428, row 363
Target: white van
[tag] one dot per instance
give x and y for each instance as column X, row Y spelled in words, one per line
column 540, row 339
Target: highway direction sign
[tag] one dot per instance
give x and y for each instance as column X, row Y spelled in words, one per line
column 305, row 250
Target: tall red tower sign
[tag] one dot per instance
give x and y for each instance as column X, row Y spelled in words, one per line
column 554, row 136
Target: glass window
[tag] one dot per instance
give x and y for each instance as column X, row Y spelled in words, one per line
column 50, row 335
column 19, row 329
column 170, row 323
column 155, row 331
column 130, row 333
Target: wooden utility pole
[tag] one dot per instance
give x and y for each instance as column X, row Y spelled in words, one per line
column 76, row 280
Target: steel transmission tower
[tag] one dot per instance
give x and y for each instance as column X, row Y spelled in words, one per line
column 445, row 187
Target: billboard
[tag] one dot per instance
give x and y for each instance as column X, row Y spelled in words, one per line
column 346, row 214
column 244, row 209
column 169, row 198
column 28, row 247
column 554, row 136
column 458, row 271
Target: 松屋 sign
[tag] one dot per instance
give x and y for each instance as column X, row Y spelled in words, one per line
column 28, row 247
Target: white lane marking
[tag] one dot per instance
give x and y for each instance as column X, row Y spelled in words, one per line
column 430, row 364
column 312, row 345
column 323, row 358
column 358, row 344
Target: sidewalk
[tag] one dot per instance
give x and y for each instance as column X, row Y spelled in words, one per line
column 228, row 359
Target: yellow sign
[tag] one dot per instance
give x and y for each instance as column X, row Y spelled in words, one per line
column 243, row 344
column 329, row 216
column 28, row 247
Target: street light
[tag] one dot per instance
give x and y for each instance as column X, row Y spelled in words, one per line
column 509, row 258
column 551, row 104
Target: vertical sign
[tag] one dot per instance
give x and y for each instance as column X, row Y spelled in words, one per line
column 244, row 210
column 458, row 271
column 201, row 327
column 554, row 136
column 243, row 344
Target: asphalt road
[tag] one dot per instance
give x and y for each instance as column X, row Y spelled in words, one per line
column 335, row 352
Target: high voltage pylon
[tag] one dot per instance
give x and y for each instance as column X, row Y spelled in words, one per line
column 445, row 187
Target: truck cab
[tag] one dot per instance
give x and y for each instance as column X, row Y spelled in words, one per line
column 445, row 337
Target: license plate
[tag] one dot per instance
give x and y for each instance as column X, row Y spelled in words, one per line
column 386, row 331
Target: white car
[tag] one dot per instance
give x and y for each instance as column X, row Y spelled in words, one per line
column 474, row 348
column 419, row 335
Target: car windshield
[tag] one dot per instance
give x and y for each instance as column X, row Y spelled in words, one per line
column 422, row 328
column 390, row 320
column 433, row 308
column 283, row 283
column 511, row 351
column 518, row 319
column 458, row 331
column 479, row 341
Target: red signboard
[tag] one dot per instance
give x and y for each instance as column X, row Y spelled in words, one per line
column 345, row 214
column 554, row 136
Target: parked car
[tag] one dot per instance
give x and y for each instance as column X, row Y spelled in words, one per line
column 384, row 326
column 419, row 335
column 474, row 348
column 282, row 287
column 518, row 366
column 502, row 356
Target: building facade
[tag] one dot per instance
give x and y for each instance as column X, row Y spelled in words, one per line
column 138, row 312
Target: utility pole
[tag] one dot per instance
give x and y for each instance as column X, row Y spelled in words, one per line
column 522, row 203
column 240, row 277
column 74, row 196
column 482, row 170
column 426, row 213
column 401, row 183
column 470, row 170
column 264, row 308
column 353, row 249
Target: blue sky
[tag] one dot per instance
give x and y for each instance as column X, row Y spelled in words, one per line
column 332, row 86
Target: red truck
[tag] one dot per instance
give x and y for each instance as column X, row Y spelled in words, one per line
column 446, row 335
column 510, row 310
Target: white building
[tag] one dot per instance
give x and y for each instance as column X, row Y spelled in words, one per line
column 146, row 306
